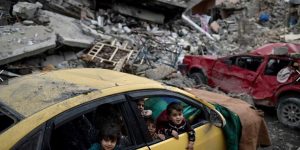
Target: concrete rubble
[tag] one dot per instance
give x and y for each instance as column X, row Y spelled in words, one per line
column 72, row 8
column 26, row 10
column 19, row 41
column 68, row 30
column 236, row 26
column 149, row 38
column 29, row 38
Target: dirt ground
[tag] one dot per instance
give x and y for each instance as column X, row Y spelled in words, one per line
column 282, row 138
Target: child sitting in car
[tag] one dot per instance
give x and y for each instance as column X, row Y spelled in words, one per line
column 152, row 130
column 177, row 124
column 109, row 137
column 141, row 107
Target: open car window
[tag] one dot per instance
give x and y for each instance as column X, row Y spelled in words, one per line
column 250, row 63
column 85, row 129
column 274, row 65
column 157, row 104
column 154, row 107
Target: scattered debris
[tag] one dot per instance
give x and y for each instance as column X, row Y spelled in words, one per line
column 72, row 8
column 110, row 56
column 160, row 72
column 139, row 13
column 178, row 80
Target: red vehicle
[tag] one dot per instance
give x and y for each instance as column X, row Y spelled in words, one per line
column 271, row 80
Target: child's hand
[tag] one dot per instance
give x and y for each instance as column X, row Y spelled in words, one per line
column 190, row 146
column 161, row 136
column 175, row 134
column 147, row 113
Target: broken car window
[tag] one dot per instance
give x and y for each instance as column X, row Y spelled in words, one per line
column 87, row 130
column 247, row 62
column 275, row 65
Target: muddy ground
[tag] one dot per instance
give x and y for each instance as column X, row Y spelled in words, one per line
column 282, row 138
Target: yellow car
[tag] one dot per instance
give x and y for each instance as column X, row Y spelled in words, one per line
column 64, row 109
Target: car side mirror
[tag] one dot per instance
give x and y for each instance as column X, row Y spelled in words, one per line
column 217, row 119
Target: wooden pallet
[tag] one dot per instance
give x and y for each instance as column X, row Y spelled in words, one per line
column 111, row 54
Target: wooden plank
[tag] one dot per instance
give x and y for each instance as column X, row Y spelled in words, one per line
column 120, row 64
column 114, row 53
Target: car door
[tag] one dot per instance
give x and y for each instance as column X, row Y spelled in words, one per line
column 79, row 128
column 208, row 136
column 237, row 74
column 32, row 141
column 266, row 83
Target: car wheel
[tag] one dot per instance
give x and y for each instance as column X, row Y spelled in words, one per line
column 199, row 78
column 288, row 111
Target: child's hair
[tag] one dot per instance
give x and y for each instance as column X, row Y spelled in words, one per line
column 149, row 120
column 110, row 131
column 174, row 106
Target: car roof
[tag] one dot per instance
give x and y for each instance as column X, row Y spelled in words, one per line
column 268, row 48
column 31, row 93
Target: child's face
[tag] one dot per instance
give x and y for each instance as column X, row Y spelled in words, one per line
column 176, row 117
column 108, row 144
column 151, row 128
column 140, row 105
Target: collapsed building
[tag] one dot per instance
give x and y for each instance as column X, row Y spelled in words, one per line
column 141, row 38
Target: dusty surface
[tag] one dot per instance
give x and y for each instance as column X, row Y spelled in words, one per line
column 282, row 138
column 43, row 92
column 68, row 30
column 19, row 41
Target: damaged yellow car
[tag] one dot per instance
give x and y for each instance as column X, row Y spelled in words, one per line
column 64, row 109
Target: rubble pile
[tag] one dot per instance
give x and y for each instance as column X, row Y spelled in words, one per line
column 157, row 44
column 5, row 17
column 243, row 30
column 242, row 25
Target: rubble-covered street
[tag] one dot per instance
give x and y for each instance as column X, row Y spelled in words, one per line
column 146, row 38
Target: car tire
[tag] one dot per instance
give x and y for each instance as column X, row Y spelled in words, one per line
column 288, row 111
column 199, row 78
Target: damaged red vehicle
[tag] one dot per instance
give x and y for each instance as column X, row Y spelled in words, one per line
column 270, row 74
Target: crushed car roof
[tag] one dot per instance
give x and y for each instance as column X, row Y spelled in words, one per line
column 268, row 48
column 32, row 93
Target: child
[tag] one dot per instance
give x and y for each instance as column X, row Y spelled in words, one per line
column 177, row 124
column 109, row 138
column 152, row 130
column 141, row 107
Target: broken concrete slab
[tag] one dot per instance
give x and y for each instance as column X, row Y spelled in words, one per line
column 19, row 41
column 72, row 8
column 68, row 30
column 26, row 10
column 139, row 13
column 160, row 72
